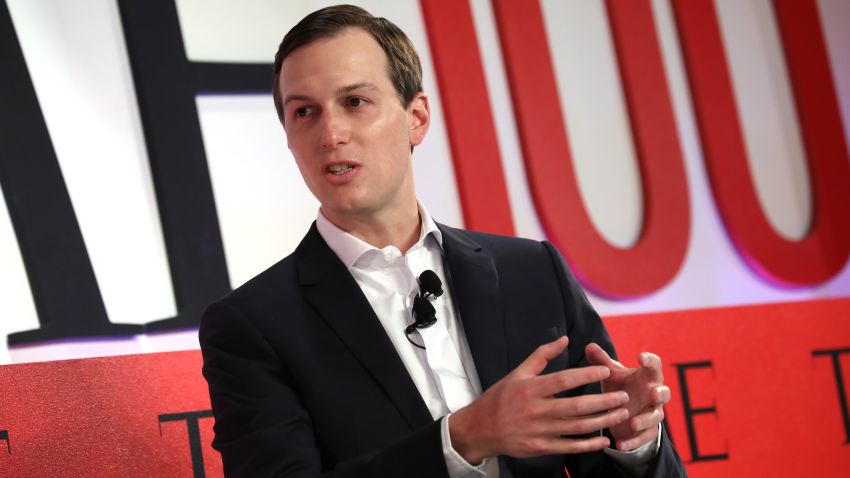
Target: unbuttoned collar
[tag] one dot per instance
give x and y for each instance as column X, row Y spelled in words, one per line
column 349, row 248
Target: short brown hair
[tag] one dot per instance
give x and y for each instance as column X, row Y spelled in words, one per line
column 403, row 65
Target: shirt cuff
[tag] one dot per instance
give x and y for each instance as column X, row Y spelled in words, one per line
column 638, row 460
column 457, row 466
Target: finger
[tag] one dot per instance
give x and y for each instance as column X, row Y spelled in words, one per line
column 639, row 440
column 646, row 420
column 586, row 424
column 585, row 404
column 596, row 355
column 550, row 384
column 536, row 362
column 661, row 395
column 565, row 446
column 652, row 362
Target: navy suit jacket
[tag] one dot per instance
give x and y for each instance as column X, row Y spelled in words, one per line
column 304, row 381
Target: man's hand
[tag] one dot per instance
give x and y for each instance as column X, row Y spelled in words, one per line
column 647, row 396
column 520, row 416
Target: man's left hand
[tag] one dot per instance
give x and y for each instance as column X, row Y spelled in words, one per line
column 647, row 396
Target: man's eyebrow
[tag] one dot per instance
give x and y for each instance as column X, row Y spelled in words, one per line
column 295, row 98
column 356, row 86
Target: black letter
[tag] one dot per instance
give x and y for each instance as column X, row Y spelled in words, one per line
column 195, row 450
column 63, row 284
column 839, row 382
column 4, row 435
column 166, row 84
column 690, row 411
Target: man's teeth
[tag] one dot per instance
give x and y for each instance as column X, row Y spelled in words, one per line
column 340, row 168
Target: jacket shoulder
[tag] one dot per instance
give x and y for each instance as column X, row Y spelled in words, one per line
column 281, row 279
column 495, row 243
column 278, row 276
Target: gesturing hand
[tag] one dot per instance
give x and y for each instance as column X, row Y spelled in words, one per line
column 647, row 396
column 520, row 416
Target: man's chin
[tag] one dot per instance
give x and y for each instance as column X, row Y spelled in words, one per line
column 346, row 209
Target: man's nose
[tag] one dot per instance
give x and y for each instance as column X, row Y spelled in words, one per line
column 335, row 130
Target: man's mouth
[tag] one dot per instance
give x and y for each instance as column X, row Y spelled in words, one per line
column 339, row 168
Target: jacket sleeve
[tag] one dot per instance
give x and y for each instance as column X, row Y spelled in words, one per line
column 587, row 327
column 262, row 428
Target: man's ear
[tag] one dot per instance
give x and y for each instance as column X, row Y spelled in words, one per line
column 420, row 118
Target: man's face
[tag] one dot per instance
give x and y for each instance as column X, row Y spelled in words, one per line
column 347, row 129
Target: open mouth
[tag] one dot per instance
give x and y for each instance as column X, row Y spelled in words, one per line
column 339, row 168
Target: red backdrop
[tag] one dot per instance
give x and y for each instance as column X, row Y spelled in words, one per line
column 758, row 384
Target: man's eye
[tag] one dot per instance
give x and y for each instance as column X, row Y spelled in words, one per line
column 303, row 111
column 355, row 102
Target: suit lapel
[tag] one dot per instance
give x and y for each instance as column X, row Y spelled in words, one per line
column 474, row 283
column 332, row 291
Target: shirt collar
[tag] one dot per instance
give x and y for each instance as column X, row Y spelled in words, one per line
column 349, row 248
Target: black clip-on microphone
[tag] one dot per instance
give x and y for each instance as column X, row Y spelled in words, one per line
column 424, row 314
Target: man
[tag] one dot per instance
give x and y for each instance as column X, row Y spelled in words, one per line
column 312, row 366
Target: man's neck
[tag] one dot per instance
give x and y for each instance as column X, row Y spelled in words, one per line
column 401, row 229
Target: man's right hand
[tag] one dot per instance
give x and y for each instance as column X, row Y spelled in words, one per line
column 519, row 416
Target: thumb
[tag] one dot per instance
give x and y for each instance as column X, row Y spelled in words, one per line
column 536, row 362
column 596, row 355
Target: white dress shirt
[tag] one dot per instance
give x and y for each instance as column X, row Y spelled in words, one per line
column 443, row 372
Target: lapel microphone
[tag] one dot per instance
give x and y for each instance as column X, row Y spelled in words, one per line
column 424, row 314
column 430, row 284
